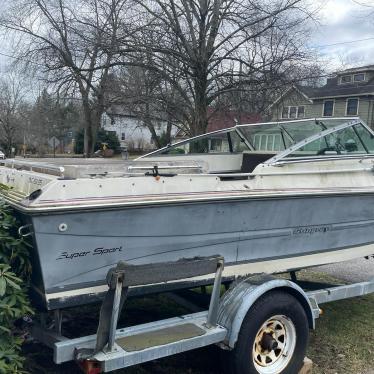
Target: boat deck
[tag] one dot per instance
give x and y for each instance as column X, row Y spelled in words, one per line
column 98, row 167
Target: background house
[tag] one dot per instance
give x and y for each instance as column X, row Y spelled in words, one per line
column 222, row 119
column 130, row 128
column 348, row 93
column 135, row 135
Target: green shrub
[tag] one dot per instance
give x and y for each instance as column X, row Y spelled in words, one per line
column 103, row 136
column 15, row 272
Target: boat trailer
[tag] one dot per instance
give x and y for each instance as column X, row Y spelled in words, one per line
column 227, row 323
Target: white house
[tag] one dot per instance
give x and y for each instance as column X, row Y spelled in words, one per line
column 130, row 128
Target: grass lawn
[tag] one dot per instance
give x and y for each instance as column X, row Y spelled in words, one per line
column 342, row 343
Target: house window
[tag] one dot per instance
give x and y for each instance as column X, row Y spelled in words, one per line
column 301, row 112
column 293, row 112
column 352, row 107
column 346, row 79
column 328, row 108
column 285, row 112
column 123, row 136
column 359, row 77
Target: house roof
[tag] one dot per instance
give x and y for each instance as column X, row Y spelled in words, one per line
column 305, row 91
column 220, row 119
column 121, row 110
column 356, row 70
column 333, row 89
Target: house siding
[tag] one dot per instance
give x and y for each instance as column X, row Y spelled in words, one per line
column 315, row 109
column 294, row 98
column 136, row 135
column 365, row 108
column 368, row 75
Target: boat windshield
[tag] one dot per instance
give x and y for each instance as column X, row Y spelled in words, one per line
column 278, row 136
column 219, row 142
column 273, row 137
column 352, row 138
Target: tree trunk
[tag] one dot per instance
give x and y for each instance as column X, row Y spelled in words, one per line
column 88, row 141
column 92, row 119
column 149, row 124
column 168, row 132
column 200, row 120
column 200, row 117
column 95, row 124
column 10, row 146
column 8, row 139
column 154, row 135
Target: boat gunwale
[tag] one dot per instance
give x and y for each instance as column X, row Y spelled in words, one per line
column 244, row 195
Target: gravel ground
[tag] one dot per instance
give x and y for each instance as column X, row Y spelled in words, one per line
column 359, row 270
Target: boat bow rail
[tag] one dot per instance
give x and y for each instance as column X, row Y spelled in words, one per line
column 38, row 167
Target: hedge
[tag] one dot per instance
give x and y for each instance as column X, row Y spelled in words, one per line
column 15, row 270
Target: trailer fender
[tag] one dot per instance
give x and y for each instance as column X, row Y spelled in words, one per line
column 238, row 300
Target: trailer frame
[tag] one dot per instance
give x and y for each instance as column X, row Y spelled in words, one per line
column 113, row 348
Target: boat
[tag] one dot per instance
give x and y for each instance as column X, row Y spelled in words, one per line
column 268, row 197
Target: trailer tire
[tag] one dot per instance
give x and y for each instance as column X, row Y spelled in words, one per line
column 275, row 325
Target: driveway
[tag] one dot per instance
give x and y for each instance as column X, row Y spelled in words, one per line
column 359, row 270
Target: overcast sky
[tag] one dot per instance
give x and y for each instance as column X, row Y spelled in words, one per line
column 340, row 21
column 348, row 22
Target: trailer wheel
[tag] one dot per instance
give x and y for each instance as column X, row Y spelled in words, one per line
column 273, row 337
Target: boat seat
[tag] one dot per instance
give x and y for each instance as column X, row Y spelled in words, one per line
column 252, row 159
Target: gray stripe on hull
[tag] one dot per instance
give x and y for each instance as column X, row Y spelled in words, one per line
column 92, row 293
column 227, row 265
column 242, row 232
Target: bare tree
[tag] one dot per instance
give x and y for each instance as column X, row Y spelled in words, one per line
column 220, row 46
column 191, row 55
column 51, row 117
column 12, row 106
column 146, row 95
column 65, row 41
